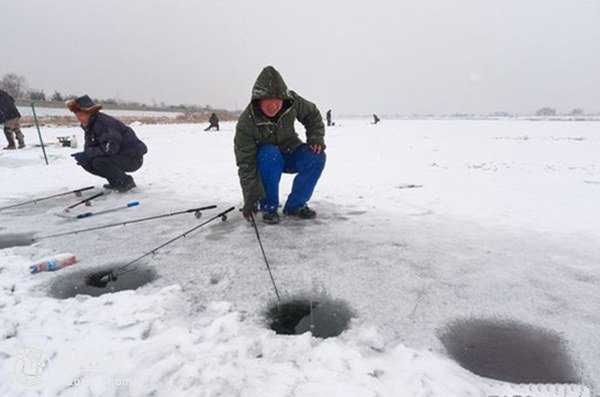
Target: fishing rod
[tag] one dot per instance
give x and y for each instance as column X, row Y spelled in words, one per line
column 37, row 125
column 253, row 221
column 77, row 193
column 87, row 201
column 122, row 207
column 102, row 278
column 197, row 213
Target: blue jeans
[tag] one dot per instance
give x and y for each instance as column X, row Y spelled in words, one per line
column 271, row 163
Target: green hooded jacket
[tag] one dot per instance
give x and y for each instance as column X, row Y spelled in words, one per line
column 254, row 129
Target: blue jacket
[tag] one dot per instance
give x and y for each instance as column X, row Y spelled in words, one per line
column 107, row 136
column 8, row 110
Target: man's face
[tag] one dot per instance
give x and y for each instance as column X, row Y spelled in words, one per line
column 83, row 117
column 271, row 106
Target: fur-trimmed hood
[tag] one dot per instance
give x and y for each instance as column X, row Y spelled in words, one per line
column 83, row 104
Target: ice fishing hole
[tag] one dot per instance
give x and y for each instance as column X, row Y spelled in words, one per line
column 294, row 316
column 16, row 240
column 509, row 351
column 74, row 283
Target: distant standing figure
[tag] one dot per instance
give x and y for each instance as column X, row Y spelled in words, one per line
column 111, row 148
column 214, row 122
column 375, row 119
column 328, row 117
column 10, row 117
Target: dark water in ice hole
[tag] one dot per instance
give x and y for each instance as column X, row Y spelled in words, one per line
column 293, row 316
column 509, row 351
column 74, row 283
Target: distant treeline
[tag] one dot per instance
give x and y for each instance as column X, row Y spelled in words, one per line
column 18, row 88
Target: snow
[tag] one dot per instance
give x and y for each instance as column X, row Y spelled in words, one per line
column 502, row 227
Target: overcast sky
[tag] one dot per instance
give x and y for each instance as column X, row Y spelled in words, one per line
column 397, row 56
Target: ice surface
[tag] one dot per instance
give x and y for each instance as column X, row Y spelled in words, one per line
column 501, row 228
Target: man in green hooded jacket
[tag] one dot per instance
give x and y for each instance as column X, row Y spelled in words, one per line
column 266, row 145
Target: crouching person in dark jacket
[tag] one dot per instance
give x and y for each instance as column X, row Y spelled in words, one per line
column 111, row 148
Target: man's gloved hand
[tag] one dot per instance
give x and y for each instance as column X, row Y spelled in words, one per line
column 79, row 157
column 249, row 210
column 316, row 148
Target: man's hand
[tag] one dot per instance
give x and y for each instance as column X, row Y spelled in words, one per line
column 79, row 157
column 248, row 211
column 317, row 149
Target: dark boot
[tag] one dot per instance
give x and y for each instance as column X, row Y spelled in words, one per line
column 20, row 138
column 10, row 139
column 113, row 169
column 126, row 186
column 303, row 212
column 270, row 218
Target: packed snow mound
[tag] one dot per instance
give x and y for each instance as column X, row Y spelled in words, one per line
column 134, row 341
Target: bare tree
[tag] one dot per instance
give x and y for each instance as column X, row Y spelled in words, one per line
column 546, row 111
column 37, row 95
column 57, row 97
column 577, row 112
column 15, row 85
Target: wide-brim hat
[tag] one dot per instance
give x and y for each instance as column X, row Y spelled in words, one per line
column 83, row 104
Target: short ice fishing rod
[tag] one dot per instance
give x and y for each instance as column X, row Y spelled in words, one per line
column 102, row 278
column 253, row 221
column 77, row 192
column 197, row 213
column 89, row 214
column 87, row 201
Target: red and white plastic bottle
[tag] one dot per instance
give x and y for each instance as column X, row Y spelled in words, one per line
column 54, row 263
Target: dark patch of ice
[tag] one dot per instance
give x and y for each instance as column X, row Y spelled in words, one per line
column 16, row 240
column 509, row 351
column 409, row 186
column 356, row 212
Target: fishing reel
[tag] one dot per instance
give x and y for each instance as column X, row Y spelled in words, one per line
column 198, row 214
column 223, row 218
column 100, row 279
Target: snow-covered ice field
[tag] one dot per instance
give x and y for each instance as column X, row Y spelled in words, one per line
column 503, row 223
